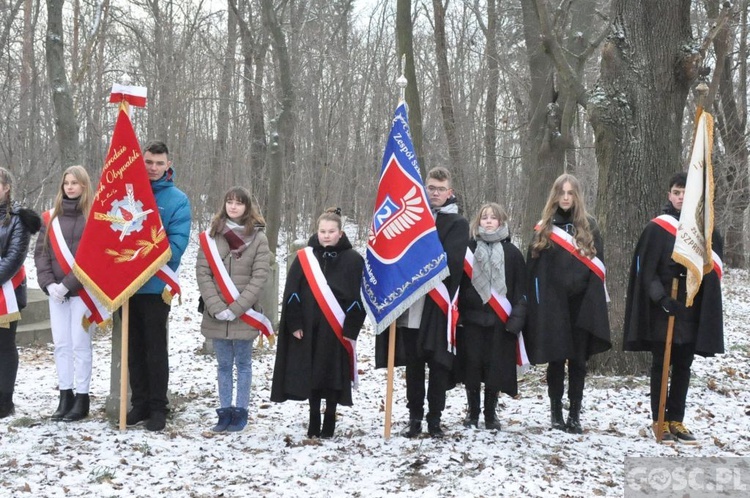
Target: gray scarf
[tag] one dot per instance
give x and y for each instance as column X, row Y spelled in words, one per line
column 489, row 263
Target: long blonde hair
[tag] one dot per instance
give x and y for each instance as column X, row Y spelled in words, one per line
column 583, row 235
column 87, row 195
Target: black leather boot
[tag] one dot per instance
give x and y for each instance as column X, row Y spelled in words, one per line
column 574, row 418
column 490, row 409
column 6, row 404
column 433, row 426
column 414, row 428
column 313, row 428
column 556, row 414
column 64, row 406
column 472, row 417
column 80, row 408
column 329, row 423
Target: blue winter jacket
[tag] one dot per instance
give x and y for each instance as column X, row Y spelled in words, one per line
column 174, row 209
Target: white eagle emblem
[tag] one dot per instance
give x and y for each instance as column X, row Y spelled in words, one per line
column 392, row 219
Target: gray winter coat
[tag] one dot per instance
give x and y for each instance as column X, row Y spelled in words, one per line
column 248, row 272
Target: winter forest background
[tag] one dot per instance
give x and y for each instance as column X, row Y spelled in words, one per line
column 294, row 99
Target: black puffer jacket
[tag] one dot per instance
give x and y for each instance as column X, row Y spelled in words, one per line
column 15, row 234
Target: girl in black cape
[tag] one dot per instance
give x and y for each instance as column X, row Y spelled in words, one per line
column 486, row 345
column 311, row 361
column 567, row 317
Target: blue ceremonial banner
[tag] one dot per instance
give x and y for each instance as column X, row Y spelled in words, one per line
column 405, row 259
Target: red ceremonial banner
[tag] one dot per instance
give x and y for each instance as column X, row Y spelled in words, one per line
column 124, row 242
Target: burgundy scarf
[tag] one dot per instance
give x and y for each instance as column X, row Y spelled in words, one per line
column 236, row 238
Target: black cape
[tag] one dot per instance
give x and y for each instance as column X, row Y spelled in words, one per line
column 486, row 350
column 567, row 314
column 318, row 361
column 431, row 342
column 651, row 273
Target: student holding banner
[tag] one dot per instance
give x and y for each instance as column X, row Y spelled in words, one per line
column 17, row 224
column 55, row 248
column 232, row 268
column 148, row 359
column 697, row 329
column 321, row 317
column 492, row 305
column 567, row 315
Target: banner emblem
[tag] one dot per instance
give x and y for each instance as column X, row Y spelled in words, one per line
column 126, row 215
column 397, row 225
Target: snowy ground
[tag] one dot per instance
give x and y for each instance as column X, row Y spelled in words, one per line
column 274, row 458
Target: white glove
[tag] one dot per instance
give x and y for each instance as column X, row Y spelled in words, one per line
column 226, row 315
column 56, row 293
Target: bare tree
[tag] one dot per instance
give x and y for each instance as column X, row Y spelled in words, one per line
column 405, row 44
column 558, row 47
column 66, row 122
column 282, row 139
column 733, row 187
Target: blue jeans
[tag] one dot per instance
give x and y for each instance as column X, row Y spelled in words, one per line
column 231, row 352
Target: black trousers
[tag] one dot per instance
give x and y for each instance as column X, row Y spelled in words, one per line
column 439, row 382
column 148, row 357
column 8, row 358
column 681, row 360
column 556, row 379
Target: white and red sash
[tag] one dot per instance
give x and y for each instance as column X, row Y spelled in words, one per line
column 502, row 308
column 229, row 291
column 449, row 306
column 95, row 311
column 669, row 223
column 171, row 279
column 329, row 305
column 568, row 242
column 9, row 311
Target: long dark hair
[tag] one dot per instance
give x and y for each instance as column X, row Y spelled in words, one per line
column 250, row 219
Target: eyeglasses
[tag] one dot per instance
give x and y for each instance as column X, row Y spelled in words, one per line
column 441, row 190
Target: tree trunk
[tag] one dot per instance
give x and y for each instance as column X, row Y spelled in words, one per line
column 282, row 142
column 732, row 186
column 222, row 170
column 66, row 123
column 405, row 44
column 492, row 175
column 446, row 94
column 542, row 144
column 636, row 110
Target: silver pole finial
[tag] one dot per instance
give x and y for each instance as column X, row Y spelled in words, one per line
column 402, row 81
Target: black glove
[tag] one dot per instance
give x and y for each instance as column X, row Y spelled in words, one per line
column 515, row 324
column 517, row 319
column 671, row 306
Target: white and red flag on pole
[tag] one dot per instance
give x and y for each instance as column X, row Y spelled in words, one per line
column 693, row 241
column 124, row 242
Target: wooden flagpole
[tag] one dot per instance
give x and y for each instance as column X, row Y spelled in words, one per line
column 665, row 368
column 401, row 82
column 124, row 365
column 389, row 384
column 124, row 380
